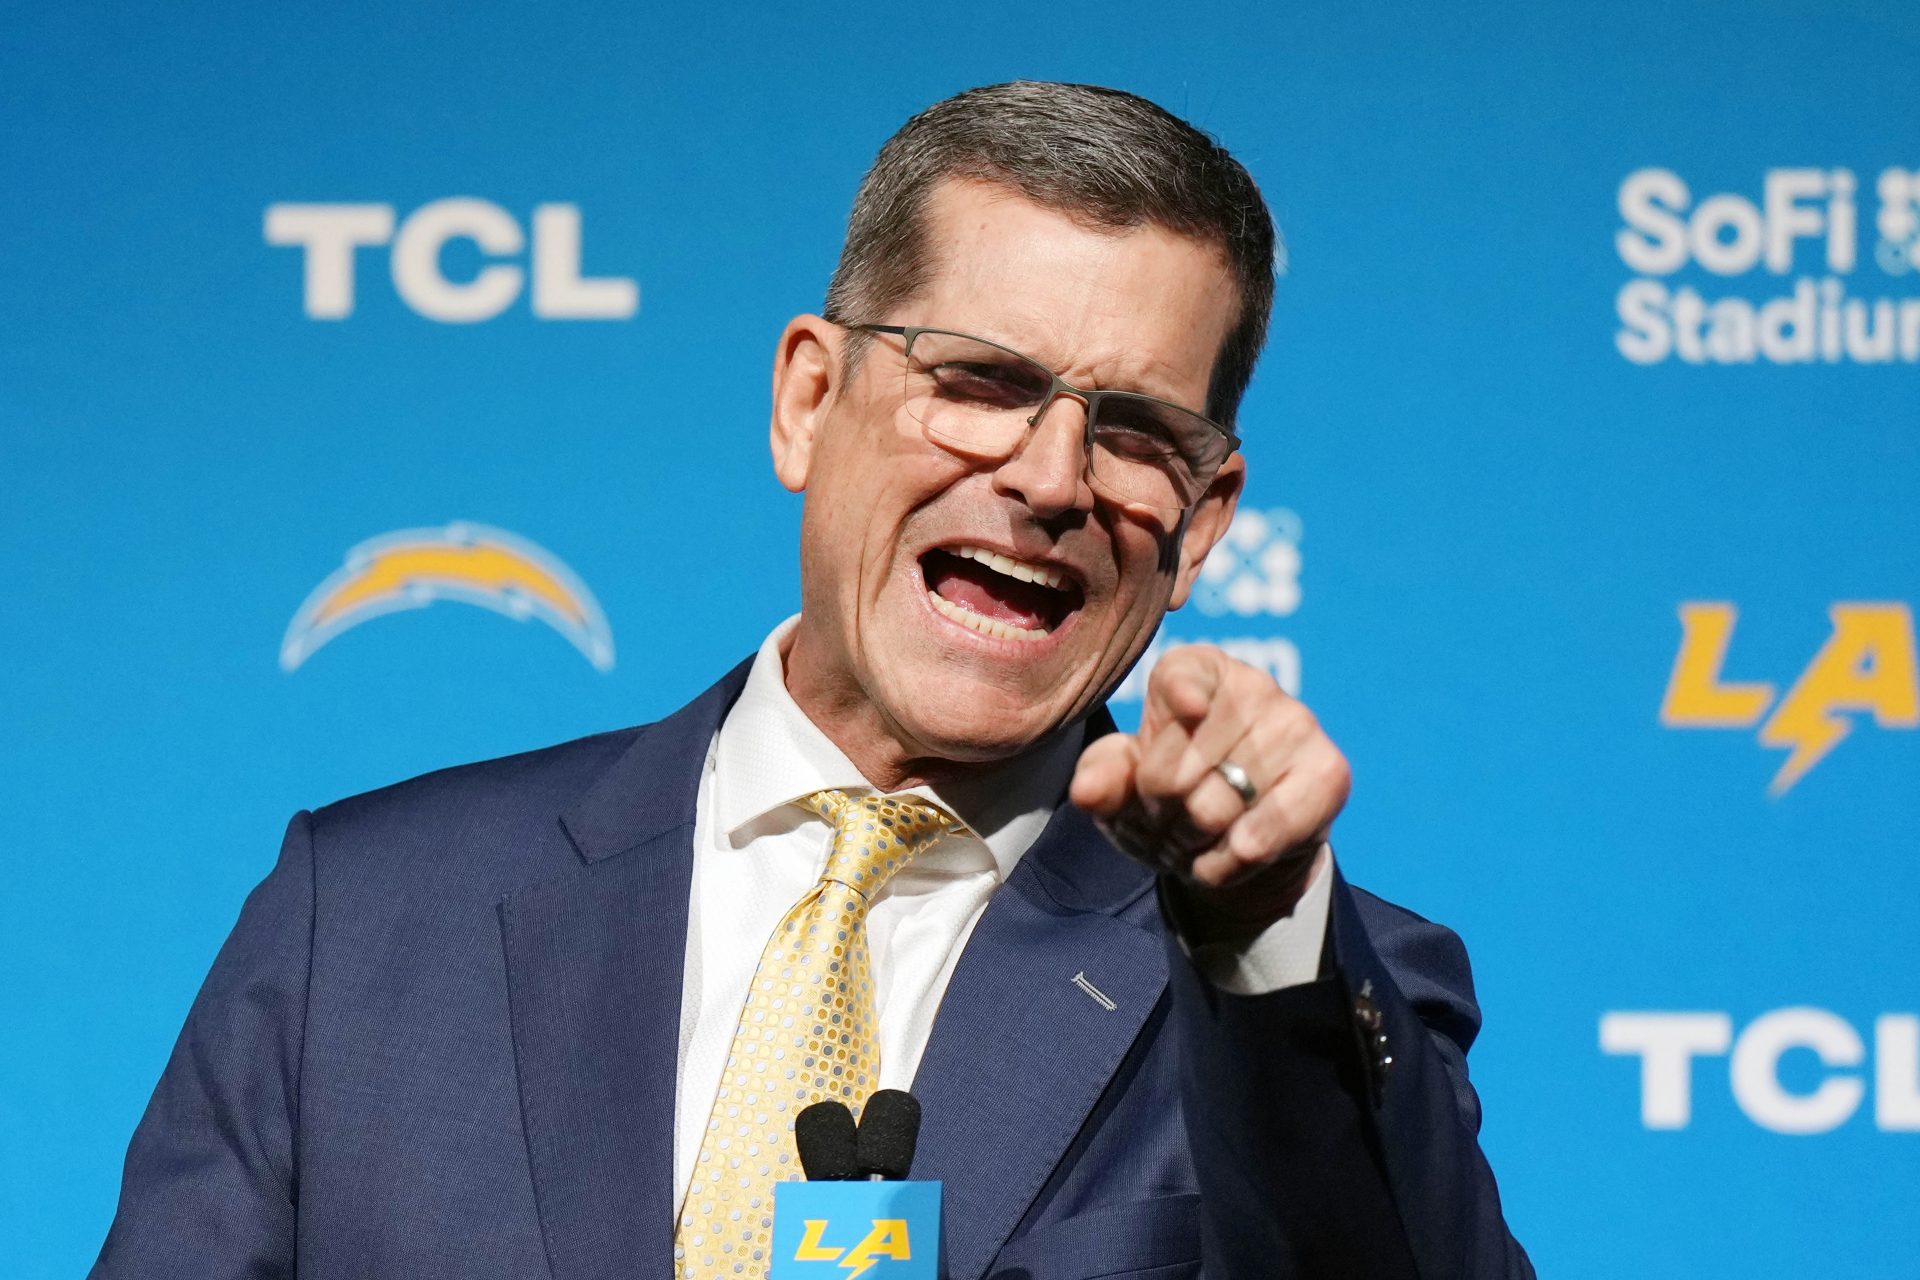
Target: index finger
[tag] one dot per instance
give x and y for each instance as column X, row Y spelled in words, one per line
column 1182, row 686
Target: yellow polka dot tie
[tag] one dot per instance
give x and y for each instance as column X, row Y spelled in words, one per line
column 807, row 1034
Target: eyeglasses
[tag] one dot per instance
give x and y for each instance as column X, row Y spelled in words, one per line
column 980, row 398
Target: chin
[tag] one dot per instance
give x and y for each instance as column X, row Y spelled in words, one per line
column 957, row 693
column 975, row 722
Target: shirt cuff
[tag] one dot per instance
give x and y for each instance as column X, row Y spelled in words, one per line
column 1284, row 954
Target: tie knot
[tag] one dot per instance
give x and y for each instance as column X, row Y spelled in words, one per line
column 874, row 835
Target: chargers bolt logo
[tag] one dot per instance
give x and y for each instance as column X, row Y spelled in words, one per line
column 470, row 563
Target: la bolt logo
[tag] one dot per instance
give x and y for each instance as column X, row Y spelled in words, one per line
column 1866, row 667
column 330, row 237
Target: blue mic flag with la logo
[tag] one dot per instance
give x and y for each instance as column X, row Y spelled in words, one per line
column 856, row 1231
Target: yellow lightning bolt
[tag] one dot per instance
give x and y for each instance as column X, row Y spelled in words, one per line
column 888, row 1239
column 1867, row 664
column 1809, row 728
column 484, row 566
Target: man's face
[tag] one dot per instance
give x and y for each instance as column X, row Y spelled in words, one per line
column 916, row 643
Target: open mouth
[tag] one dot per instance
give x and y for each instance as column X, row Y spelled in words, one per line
column 996, row 595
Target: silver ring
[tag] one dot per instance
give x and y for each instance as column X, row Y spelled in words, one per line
column 1237, row 779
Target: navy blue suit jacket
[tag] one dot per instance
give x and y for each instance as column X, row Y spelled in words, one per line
column 441, row 1041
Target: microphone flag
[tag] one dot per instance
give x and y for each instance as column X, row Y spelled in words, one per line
column 856, row 1231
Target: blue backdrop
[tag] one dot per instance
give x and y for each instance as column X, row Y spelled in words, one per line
column 1585, row 479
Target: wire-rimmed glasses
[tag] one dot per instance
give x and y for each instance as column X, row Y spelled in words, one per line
column 981, row 399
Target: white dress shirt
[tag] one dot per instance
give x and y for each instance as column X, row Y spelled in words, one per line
column 755, row 853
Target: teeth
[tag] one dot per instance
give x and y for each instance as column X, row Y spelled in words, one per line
column 1013, row 568
column 985, row 626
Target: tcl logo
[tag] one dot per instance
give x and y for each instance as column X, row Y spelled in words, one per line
column 329, row 236
column 1667, row 1043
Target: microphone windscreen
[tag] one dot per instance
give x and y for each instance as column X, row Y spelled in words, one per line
column 889, row 1128
column 828, row 1143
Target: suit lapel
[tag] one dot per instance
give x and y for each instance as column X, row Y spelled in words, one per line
column 1025, row 1042
column 1019, row 1054
column 594, row 960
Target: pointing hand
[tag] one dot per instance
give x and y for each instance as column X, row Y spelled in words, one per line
column 1236, row 864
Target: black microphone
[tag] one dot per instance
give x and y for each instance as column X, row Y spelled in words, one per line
column 828, row 1144
column 889, row 1128
column 856, row 1205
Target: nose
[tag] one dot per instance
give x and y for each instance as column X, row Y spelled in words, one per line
column 1048, row 471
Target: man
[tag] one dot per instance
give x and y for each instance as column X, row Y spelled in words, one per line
column 441, row 1040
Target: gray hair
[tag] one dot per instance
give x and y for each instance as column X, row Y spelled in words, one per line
column 1102, row 156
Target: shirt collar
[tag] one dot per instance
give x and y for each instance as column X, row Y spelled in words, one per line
column 769, row 754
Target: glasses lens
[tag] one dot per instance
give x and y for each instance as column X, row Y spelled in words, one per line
column 1154, row 453
column 971, row 395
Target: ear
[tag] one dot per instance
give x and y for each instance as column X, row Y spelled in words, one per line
column 806, row 374
column 1207, row 525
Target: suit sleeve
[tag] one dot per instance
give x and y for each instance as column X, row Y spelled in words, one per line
column 1315, row 1156
column 209, row 1186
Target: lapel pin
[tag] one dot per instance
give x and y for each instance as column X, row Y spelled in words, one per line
column 1099, row 997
